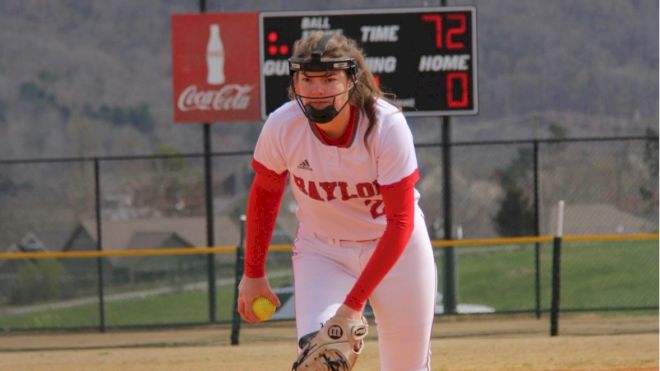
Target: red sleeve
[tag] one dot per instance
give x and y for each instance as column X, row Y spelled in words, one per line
column 399, row 201
column 262, row 208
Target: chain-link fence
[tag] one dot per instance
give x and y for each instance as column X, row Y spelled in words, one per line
column 610, row 186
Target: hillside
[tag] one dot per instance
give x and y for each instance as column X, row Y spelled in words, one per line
column 93, row 77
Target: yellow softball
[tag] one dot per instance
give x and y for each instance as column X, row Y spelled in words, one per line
column 263, row 308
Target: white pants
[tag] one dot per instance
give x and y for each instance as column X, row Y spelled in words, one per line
column 403, row 303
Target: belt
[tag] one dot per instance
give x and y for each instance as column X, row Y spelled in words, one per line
column 345, row 243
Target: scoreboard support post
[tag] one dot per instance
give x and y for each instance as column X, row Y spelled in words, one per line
column 208, row 189
column 449, row 290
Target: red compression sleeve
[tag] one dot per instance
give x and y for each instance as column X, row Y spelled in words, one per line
column 262, row 208
column 399, row 201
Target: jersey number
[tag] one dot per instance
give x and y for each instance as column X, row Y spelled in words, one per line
column 377, row 208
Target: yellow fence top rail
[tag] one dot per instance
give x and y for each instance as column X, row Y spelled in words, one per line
column 287, row 247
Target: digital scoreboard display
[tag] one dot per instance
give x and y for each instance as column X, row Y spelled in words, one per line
column 425, row 56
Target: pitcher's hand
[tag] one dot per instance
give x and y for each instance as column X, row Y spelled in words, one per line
column 250, row 289
column 348, row 312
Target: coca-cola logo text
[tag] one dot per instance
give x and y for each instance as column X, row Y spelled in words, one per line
column 229, row 97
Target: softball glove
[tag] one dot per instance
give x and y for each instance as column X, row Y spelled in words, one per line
column 333, row 348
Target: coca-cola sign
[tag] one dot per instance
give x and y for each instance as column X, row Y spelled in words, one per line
column 215, row 67
column 229, row 97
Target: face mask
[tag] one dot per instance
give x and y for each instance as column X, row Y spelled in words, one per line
column 321, row 116
column 325, row 114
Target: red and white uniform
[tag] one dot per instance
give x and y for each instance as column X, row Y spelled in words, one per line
column 337, row 189
column 342, row 188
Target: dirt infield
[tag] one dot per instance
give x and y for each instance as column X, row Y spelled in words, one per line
column 522, row 343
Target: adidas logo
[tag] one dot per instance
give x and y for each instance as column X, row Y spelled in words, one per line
column 305, row 165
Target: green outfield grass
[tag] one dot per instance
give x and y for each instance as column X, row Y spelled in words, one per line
column 594, row 275
column 184, row 307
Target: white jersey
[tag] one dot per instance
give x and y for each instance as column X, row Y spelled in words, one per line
column 337, row 188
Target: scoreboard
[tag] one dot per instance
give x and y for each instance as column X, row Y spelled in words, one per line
column 426, row 57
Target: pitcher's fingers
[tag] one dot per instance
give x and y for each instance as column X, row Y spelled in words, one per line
column 274, row 299
column 241, row 307
column 248, row 314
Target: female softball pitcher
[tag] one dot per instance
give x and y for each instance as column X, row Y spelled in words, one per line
column 350, row 160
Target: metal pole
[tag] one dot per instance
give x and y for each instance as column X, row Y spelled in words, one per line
column 556, row 271
column 449, row 288
column 210, row 231
column 537, row 232
column 238, row 274
column 208, row 181
column 99, row 244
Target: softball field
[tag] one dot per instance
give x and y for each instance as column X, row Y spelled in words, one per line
column 521, row 342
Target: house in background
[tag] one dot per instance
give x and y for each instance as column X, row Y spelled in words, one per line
column 155, row 233
column 10, row 268
column 152, row 268
column 598, row 219
column 29, row 243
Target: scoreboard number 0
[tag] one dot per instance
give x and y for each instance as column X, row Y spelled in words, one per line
column 457, row 89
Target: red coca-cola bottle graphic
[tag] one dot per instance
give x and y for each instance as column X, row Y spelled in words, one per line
column 215, row 57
